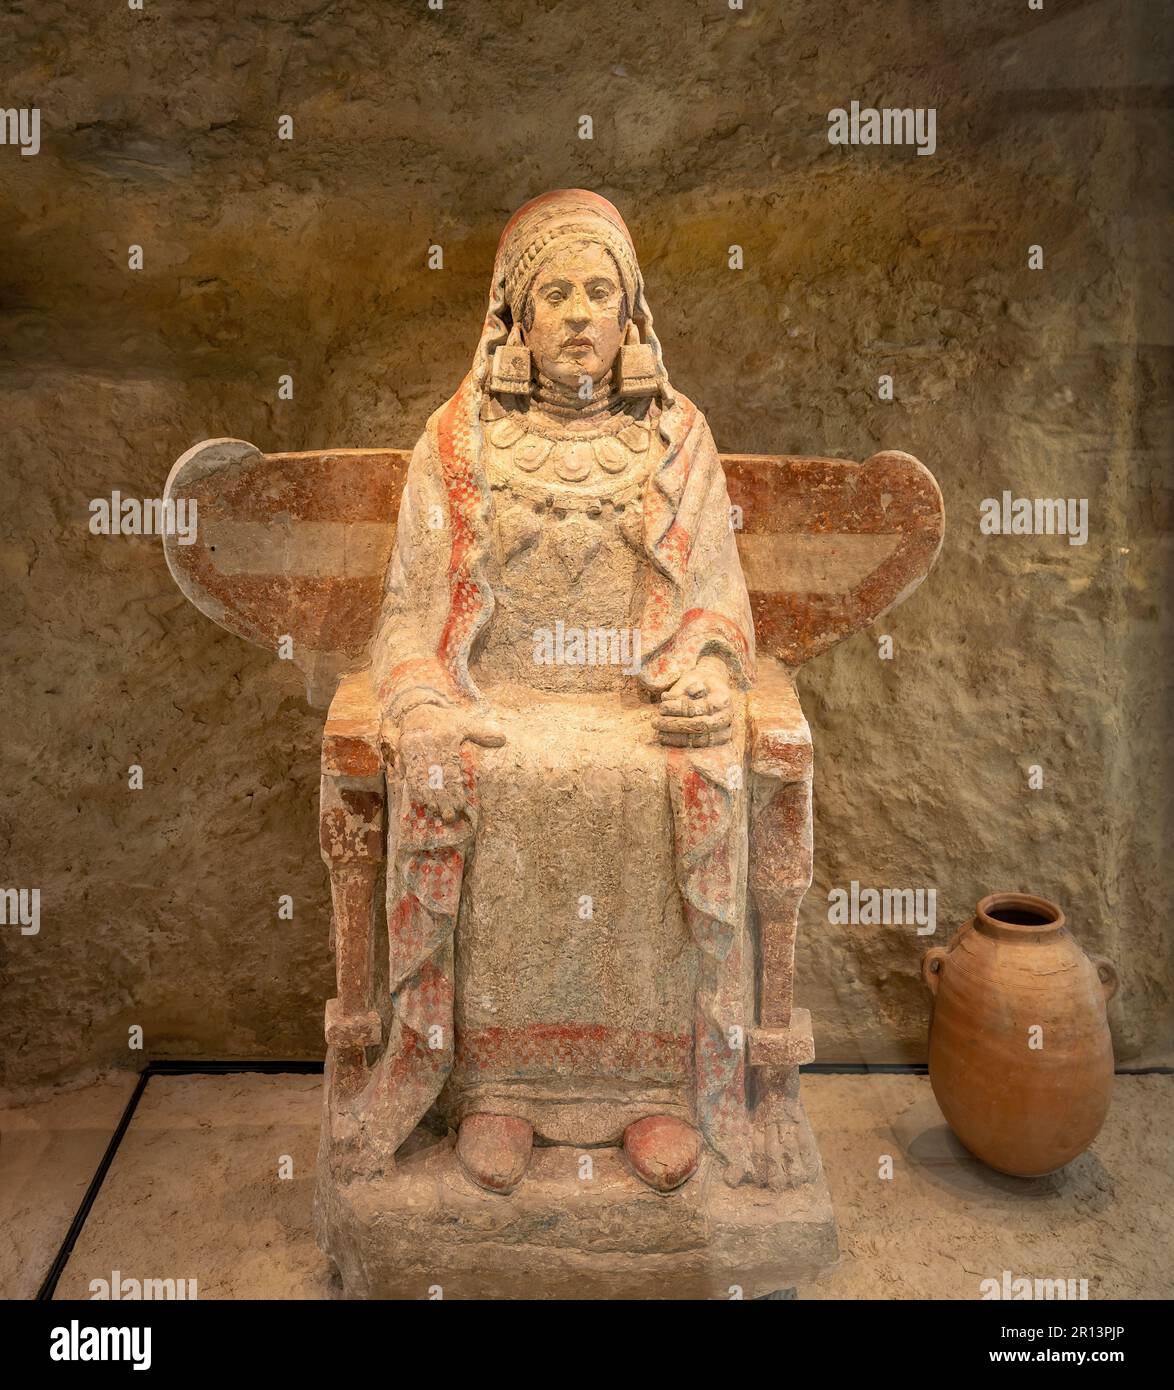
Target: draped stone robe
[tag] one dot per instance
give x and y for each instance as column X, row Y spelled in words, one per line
column 574, row 949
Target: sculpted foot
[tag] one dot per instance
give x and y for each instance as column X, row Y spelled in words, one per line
column 494, row 1150
column 664, row 1151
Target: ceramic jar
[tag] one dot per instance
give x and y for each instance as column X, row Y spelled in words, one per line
column 1019, row 1053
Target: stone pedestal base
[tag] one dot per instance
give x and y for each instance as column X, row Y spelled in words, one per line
column 561, row 1235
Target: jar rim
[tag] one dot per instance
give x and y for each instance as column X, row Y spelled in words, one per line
column 1020, row 912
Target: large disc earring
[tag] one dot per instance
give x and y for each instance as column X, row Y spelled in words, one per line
column 637, row 374
column 511, row 366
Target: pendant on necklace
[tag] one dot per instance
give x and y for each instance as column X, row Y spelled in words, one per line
column 531, row 452
column 506, row 431
column 573, row 462
column 612, row 456
column 635, row 437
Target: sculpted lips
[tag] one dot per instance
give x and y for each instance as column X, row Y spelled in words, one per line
column 579, row 342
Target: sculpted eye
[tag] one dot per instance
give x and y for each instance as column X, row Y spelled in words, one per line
column 555, row 296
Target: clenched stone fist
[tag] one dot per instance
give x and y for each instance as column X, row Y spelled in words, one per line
column 429, row 751
column 694, row 712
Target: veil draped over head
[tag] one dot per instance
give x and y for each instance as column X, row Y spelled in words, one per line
column 536, row 231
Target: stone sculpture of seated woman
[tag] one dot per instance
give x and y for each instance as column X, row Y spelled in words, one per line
column 561, row 660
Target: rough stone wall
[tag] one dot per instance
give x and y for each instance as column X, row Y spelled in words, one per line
column 308, row 257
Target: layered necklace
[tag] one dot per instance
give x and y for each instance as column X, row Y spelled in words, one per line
column 560, row 435
column 564, row 402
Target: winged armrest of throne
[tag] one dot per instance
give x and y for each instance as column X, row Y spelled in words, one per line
column 291, row 552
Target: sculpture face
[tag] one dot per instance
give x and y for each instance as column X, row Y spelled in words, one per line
column 575, row 316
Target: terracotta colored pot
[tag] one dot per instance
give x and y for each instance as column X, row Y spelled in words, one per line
column 1019, row 1050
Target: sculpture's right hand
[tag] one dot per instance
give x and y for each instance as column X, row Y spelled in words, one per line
column 430, row 754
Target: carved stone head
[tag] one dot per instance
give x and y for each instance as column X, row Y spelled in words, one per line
column 567, row 287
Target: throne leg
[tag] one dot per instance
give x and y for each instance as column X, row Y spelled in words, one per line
column 351, row 828
column 780, row 874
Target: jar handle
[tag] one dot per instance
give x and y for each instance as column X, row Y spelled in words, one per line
column 931, row 966
column 1110, row 981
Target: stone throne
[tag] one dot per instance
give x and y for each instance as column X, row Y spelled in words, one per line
column 291, row 554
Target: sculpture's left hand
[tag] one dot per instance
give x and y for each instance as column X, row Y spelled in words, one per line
column 694, row 712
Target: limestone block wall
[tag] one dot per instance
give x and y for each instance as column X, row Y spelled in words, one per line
column 412, row 127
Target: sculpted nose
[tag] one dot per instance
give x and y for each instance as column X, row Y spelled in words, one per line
column 578, row 310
